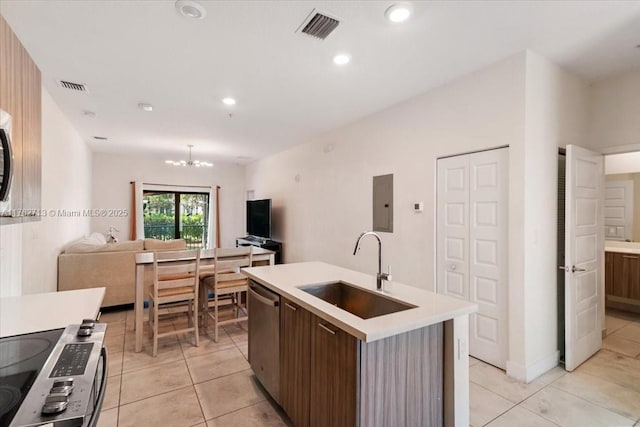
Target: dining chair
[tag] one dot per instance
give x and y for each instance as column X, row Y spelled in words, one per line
column 175, row 281
column 227, row 281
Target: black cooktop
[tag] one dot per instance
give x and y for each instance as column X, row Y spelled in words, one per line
column 21, row 358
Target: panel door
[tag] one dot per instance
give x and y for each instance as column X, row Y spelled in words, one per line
column 472, row 253
column 618, row 210
column 452, row 234
column 488, row 266
column 584, row 254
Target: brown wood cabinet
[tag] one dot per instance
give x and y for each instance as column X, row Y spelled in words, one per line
column 318, row 370
column 622, row 275
column 328, row 378
column 334, row 375
column 20, row 96
column 608, row 273
column 31, row 138
column 295, row 348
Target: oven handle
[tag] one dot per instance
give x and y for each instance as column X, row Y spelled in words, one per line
column 93, row 422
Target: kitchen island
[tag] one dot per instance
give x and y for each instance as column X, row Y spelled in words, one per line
column 408, row 367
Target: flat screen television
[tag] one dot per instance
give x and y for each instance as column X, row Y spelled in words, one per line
column 259, row 218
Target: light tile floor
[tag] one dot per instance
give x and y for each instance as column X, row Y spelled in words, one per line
column 212, row 385
column 206, row 386
column 602, row 392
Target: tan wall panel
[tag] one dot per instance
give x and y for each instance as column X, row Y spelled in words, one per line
column 20, row 96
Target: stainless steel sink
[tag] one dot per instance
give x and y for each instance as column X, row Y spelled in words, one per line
column 357, row 301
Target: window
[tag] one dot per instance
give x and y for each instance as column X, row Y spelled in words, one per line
column 176, row 215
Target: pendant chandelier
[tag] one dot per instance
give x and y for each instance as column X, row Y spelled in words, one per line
column 190, row 162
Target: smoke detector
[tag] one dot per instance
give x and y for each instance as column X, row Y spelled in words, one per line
column 191, row 9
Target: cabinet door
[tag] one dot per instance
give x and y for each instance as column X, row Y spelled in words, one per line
column 626, row 275
column 334, row 375
column 631, row 269
column 608, row 272
column 294, row 362
column 620, row 286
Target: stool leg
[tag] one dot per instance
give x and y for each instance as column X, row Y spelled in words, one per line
column 195, row 320
column 155, row 332
column 215, row 311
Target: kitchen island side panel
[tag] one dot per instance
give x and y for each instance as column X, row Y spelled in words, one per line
column 401, row 379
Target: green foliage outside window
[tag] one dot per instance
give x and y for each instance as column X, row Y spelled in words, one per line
column 159, row 217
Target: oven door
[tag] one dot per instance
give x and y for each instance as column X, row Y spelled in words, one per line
column 99, row 390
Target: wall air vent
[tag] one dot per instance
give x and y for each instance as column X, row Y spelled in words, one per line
column 72, row 86
column 319, row 24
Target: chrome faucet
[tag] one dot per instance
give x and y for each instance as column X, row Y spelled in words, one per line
column 381, row 276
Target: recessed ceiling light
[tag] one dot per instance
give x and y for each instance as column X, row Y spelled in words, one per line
column 145, row 107
column 191, row 9
column 229, row 101
column 399, row 12
column 342, row 59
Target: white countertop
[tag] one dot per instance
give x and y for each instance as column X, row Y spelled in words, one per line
column 147, row 257
column 53, row 310
column 622, row 247
column 431, row 308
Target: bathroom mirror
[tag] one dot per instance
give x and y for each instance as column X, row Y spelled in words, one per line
column 622, row 197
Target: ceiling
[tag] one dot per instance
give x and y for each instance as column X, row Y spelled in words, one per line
column 287, row 88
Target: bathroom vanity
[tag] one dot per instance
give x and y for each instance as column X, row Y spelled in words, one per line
column 350, row 355
column 622, row 275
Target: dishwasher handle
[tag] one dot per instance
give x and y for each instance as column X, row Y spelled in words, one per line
column 262, row 299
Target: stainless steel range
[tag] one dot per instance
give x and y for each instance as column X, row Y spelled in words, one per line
column 55, row 377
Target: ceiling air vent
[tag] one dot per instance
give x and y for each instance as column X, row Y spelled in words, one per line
column 319, row 24
column 72, row 86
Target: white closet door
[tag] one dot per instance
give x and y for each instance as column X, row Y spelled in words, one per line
column 488, row 268
column 584, row 253
column 453, row 227
column 618, row 210
column 471, row 245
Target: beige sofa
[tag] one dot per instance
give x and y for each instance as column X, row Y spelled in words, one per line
column 89, row 265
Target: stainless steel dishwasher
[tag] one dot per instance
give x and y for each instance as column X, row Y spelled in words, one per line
column 264, row 337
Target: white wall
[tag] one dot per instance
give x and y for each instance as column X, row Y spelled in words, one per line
column 556, row 115
column 111, row 189
column 321, row 216
column 615, row 114
column 622, row 163
column 525, row 102
column 66, row 177
column 10, row 260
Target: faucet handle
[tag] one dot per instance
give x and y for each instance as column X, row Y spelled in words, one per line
column 387, row 276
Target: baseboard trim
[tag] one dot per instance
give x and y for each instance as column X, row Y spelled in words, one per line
column 529, row 373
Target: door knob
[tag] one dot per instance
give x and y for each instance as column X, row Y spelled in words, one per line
column 574, row 269
column 453, row 267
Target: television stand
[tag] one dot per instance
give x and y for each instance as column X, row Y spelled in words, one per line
column 259, row 242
